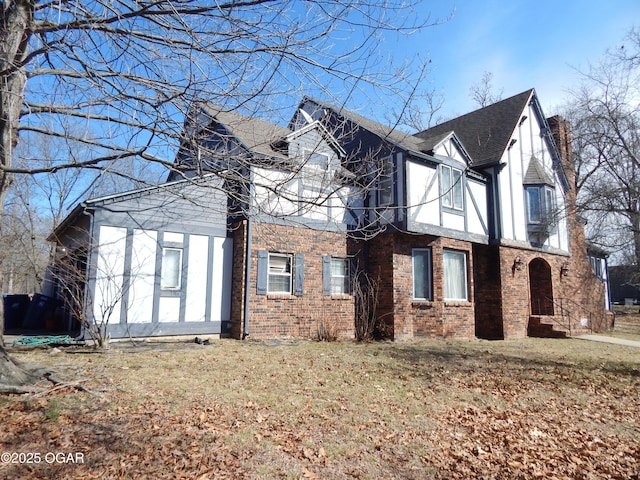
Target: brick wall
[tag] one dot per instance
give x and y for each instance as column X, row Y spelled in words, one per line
column 580, row 285
column 391, row 253
column 504, row 301
column 487, row 272
column 277, row 316
column 238, row 276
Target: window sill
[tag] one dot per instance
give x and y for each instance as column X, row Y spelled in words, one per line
column 457, row 303
column 280, row 296
column 422, row 303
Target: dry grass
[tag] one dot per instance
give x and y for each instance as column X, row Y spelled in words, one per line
column 424, row 409
column 627, row 322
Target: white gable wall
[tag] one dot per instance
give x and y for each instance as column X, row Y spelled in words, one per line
column 305, row 191
column 423, row 193
column 424, row 201
column 528, row 143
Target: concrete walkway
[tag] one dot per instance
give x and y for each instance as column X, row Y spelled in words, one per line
column 605, row 339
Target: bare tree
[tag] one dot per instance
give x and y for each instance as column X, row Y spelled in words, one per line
column 605, row 116
column 366, row 288
column 483, row 92
column 36, row 204
column 129, row 70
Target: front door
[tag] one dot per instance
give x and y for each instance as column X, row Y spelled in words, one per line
column 541, row 287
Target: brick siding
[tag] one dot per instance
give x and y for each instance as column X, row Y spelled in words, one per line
column 278, row 316
column 391, row 254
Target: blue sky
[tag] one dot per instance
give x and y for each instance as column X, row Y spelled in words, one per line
column 523, row 43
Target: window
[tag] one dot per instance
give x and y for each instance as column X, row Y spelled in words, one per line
column 279, row 277
column 336, row 276
column 451, row 184
column 315, row 171
column 385, row 183
column 421, row 260
column 171, row 275
column 455, row 275
column 339, row 276
column 319, row 161
column 541, row 204
column 280, row 273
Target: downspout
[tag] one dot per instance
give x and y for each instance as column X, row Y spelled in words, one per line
column 85, row 306
column 247, row 278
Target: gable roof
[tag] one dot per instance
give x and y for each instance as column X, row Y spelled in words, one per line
column 402, row 139
column 485, row 132
column 105, row 200
column 256, row 135
column 429, row 145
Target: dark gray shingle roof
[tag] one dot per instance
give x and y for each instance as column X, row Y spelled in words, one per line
column 393, row 135
column 486, row 132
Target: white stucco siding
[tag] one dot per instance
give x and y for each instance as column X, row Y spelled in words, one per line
column 516, row 188
column 453, row 221
column 142, row 277
column 197, row 268
column 109, row 278
column 169, row 309
column 528, row 143
column 275, row 192
column 306, row 190
column 221, row 275
column 448, row 149
column 506, row 203
column 477, row 210
column 423, row 194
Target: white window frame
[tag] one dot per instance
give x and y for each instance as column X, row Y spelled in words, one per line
column 340, row 283
column 175, row 282
column 315, row 175
column 451, row 184
column 543, row 207
column 449, row 283
column 276, row 271
column 309, row 154
column 426, row 272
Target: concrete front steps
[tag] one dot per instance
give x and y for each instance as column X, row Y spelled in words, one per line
column 547, row 326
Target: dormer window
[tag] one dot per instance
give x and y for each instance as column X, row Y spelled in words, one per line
column 451, row 185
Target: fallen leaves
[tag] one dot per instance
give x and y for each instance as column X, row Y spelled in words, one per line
column 332, row 411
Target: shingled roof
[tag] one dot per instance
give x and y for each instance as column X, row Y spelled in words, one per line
column 485, row 133
column 258, row 136
column 393, row 135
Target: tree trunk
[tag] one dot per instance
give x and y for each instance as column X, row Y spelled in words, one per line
column 17, row 17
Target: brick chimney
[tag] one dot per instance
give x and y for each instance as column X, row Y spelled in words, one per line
column 561, row 132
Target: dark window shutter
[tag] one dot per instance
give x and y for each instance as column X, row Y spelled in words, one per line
column 299, row 275
column 326, row 275
column 262, row 273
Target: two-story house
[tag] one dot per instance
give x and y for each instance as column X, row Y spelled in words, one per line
column 466, row 229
